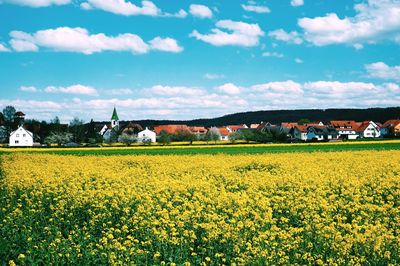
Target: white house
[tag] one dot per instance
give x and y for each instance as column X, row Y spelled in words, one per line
column 21, row 138
column 146, row 135
column 369, row 129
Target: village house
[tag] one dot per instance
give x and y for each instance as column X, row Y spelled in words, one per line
column 170, row 129
column 347, row 129
column 234, row 128
column 391, row 128
column 368, row 129
column 146, row 135
column 21, row 138
column 224, row 133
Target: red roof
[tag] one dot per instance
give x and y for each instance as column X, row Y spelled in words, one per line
column 289, row 124
column 198, row 130
column 234, row 128
column 170, row 129
column 345, row 124
column 301, row 128
column 223, row 131
column 19, row 113
column 391, row 123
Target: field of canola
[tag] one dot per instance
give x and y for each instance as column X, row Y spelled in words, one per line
column 336, row 208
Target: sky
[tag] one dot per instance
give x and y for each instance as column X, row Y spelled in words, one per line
column 196, row 59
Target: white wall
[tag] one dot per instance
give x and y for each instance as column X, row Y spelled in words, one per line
column 21, row 138
column 147, row 134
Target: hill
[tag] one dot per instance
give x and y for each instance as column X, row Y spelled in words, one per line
column 277, row 116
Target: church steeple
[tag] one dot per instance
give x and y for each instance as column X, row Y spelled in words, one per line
column 114, row 119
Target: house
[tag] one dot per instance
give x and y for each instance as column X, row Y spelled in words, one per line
column 347, row 129
column 170, row 129
column 132, row 128
column 391, row 128
column 224, row 132
column 234, row 128
column 146, row 135
column 369, row 129
column 21, row 138
column 198, row 130
column 299, row 132
column 322, row 133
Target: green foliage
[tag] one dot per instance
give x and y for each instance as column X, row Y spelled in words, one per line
column 303, row 121
column 127, row 139
column 164, row 138
column 58, row 138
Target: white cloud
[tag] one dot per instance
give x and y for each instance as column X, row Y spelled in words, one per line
column 375, row 20
column 200, row 11
column 290, row 37
column 298, row 61
column 241, row 34
column 212, row 76
column 272, row 54
column 3, row 48
column 186, row 102
column 122, row 7
column 252, row 7
column 297, row 2
column 176, row 90
column 127, row 8
column 74, row 89
column 166, row 45
column 28, row 89
column 36, row 3
column 288, row 86
column 120, row 92
column 81, row 41
column 230, row 88
column 382, row 71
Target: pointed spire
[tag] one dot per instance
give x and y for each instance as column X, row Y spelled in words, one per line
column 115, row 115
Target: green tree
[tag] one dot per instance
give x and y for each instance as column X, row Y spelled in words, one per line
column 127, row 139
column 233, row 137
column 164, row 138
column 303, row 121
column 58, row 138
column 247, row 135
column 77, row 128
column 213, row 134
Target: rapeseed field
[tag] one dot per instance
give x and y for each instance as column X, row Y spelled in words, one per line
column 336, row 208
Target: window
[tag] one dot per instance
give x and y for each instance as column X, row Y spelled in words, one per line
column 24, row 135
column 17, row 141
column 17, row 135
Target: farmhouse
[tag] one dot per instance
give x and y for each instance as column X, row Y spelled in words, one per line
column 369, row 129
column 347, row 129
column 391, row 128
column 146, row 135
column 21, row 138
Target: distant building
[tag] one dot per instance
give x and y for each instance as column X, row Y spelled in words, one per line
column 106, row 130
column 347, row 129
column 21, row 138
column 170, row 129
column 391, row 128
column 145, row 135
column 369, row 129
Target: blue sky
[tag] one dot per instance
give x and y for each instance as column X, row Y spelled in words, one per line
column 191, row 59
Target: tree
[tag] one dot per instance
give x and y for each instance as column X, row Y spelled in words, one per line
column 9, row 123
column 77, row 128
column 3, row 134
column 213, row 134
column 127, row 139
column 247, row 135
column 303, row 121
column 233, row 137
column 164, row 138
column 58, row 138
column 9, row 113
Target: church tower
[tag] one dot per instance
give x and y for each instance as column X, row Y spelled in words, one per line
column 115, row 119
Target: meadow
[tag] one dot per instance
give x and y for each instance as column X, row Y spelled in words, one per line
column 340, row 207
